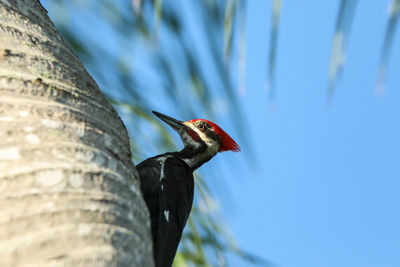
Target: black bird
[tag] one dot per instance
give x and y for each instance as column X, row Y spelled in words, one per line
column 166, row 181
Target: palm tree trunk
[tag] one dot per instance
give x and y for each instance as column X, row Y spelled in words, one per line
column 69, row 191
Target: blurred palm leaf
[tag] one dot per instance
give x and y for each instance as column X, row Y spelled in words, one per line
column 242, row 47
column 341, row 35
column 394, row 9
column 276, row 14
column 230, row 12
column 158, row 15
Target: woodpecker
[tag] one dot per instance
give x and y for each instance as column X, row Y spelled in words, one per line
column 167, row 185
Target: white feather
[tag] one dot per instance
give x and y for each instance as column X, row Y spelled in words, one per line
column 166, row 215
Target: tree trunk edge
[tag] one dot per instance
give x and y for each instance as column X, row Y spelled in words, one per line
column 69, row 191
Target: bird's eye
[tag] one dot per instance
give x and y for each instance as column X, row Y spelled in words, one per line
column 202, row 127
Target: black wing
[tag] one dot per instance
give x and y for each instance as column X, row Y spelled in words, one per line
column 169, row 201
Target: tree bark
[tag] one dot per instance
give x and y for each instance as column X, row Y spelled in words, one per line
column 69, row 192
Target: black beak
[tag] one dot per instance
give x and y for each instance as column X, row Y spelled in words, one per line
column 174, row 123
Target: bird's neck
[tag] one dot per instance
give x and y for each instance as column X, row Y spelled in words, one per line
column 194, row 158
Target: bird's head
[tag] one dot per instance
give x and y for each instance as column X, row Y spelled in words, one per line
column 201, row 136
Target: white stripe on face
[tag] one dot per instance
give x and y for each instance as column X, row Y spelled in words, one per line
column 187, row 139
column 209, row 142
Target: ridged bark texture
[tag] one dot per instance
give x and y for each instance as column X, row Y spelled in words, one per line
column 69, row 193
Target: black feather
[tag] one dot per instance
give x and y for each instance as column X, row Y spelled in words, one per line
column 168, row 198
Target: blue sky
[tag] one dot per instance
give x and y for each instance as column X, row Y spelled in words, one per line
column 324, row 191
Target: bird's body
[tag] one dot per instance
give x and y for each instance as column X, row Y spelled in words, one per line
column 167, row 182
column 167, row 185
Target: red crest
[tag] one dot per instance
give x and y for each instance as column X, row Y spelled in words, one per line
column 227, row 143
